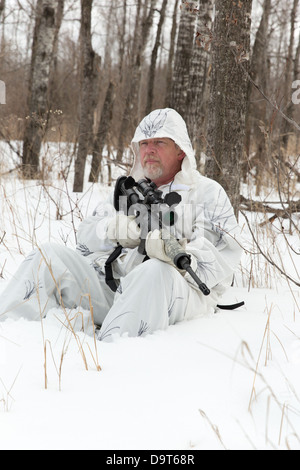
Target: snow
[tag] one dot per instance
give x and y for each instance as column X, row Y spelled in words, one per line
column 226, row 381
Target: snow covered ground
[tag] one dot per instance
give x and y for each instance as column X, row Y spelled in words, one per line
column 229, row 381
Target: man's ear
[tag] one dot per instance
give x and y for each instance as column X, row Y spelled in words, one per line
column 181, row 155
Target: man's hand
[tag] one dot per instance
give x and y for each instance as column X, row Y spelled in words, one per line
column 124, row 230
column 155, row 247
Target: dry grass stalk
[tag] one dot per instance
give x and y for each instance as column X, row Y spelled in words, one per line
column 213, row 427
column 268, row 353
column 69, row 327
column 8, row 392
column 80, row 348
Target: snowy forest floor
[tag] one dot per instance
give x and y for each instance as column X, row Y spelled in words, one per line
column 229, row 381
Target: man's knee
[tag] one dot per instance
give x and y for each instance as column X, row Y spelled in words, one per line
column 152, row 274
column 51, row 251
column 155, row 267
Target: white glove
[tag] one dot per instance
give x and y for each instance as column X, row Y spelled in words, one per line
column 155, row 247
column 124, row 230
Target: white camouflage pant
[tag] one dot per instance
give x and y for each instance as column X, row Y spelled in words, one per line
column 151, row 297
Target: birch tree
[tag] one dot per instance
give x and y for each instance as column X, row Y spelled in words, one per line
column 228, row 94
column 44, row 40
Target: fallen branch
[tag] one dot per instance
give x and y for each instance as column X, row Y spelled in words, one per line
column 258, row 206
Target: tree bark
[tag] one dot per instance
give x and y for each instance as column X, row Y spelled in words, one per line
column 183, row 57
column 171, row 57
column 228, row 95
column 256, row 125
column 2, row 7
column 154, row 58
column 102, row 133
column 289, row 74
column 198, row 95
column 2, row 24
column 130, row 113
column 45, row 35
column 88, row 99
column 296, row 77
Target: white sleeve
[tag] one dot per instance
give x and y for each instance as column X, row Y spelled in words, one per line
column 214, row 246
column 92, row 232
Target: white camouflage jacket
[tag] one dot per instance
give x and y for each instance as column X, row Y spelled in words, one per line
column 205, row 217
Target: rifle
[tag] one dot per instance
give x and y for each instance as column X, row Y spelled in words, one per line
column 152, row 211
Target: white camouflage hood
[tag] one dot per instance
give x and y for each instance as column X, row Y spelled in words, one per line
column 165, row 123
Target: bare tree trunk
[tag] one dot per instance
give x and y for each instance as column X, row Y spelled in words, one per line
column 102, row 124
column 256, row 124
column 2, row 7
column 53, row 72
column 171, row 57
column 296, row 77
column 130, row 114
column 228, row 95
column 88, row 97
column 122, row 39
column 2, row 23
column 102, row 134
column 183, row 57
column 258, row 65
column 198, row 95
column 131, row 95
column 45, row 35
column 154, row 58
column 286, row 128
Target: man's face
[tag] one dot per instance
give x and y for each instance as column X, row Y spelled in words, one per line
column 161, row 159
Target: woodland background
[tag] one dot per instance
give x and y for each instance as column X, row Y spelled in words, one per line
column 87, row 71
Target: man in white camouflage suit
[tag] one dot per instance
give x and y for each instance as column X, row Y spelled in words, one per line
column 151, row 294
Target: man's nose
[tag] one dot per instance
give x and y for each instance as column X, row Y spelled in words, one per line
column 151, row 147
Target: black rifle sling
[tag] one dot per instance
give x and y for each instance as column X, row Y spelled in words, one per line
column 231, row 307
column 109, row 277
